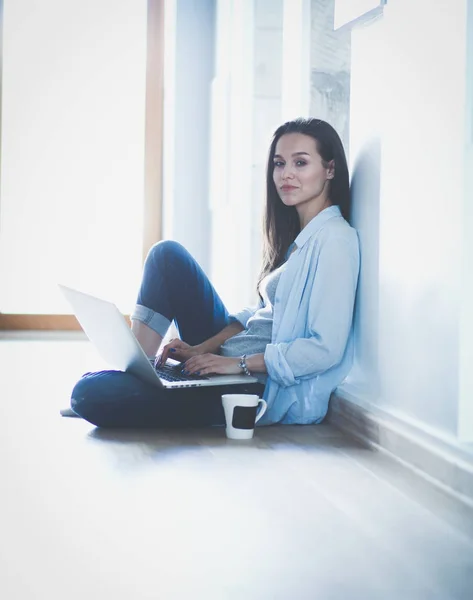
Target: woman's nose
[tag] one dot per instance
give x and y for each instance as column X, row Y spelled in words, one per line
column 287, row 173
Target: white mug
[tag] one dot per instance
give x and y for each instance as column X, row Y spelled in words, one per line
column 240, row 414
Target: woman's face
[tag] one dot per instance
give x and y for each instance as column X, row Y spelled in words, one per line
column 299, row 173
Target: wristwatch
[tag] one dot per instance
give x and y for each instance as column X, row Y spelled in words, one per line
column 242, row 364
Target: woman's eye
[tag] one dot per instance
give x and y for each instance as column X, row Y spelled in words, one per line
column 301, row 163
column 278, row 163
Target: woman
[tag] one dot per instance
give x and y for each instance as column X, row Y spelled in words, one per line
column 297, row 341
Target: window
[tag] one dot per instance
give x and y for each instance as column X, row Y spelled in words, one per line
column 73, row 145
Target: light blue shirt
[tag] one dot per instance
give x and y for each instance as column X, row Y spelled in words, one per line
column 311, row 349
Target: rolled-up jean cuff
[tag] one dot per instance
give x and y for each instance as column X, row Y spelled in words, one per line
column 154, row 320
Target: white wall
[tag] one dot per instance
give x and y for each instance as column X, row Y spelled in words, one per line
column 407, row 145
column 465, row 425
column 222, row 104
column 267, row 107
column 330, row 53
column 231, row 153
column 365, row 164
column 190, row 60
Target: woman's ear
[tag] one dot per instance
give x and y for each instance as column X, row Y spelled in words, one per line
column 331, row 169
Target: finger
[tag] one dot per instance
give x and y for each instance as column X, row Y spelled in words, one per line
column 201, row 359
column 213, row 365
column 189, row 366
column 164, row 354
column 161, row 358
column 198, row 364
column 206, row 371
column 195, row 364
column 170, row 349
column 177, row 349
column 178, row 343
column 175, row 355
column 182, row 355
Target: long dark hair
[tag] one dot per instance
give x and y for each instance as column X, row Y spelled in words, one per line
column 281, row 223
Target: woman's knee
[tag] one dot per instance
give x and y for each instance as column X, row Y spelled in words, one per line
column 91, row 396
column 166, row 250
column 113, row 399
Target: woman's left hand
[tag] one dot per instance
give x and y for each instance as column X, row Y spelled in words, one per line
column 206, row 364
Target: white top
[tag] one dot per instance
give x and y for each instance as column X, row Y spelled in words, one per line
column 258, row 328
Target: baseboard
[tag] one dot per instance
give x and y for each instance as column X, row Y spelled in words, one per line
column 442, row 461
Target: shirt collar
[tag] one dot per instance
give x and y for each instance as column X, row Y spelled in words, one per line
column 316, row 223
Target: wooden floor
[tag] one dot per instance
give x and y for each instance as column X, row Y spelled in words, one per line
column 299, row 513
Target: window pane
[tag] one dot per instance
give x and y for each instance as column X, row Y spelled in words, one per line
column 72, row 151
column 330, row 69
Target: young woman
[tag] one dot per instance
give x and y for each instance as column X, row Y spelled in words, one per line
column 297, row 341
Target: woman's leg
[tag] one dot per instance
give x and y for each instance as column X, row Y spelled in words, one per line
column 117, row 399
column 148, row 338
column 174, row 287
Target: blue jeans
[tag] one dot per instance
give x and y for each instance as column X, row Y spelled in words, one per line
column 173, row 287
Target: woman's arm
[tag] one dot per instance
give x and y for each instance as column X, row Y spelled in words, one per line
column 181, row 351
column 212, row 345
column 256, row 364
column 206, row 364
column 328, row 320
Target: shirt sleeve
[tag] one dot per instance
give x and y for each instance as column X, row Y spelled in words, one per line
column 329, row 318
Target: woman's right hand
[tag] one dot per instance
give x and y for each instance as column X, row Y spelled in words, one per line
column 178, row 350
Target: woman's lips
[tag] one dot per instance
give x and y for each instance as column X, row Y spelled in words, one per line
column 288, row 188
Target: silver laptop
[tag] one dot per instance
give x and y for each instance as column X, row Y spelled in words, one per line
column 108, row 330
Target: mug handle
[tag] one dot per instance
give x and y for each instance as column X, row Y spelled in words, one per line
column 262, row 411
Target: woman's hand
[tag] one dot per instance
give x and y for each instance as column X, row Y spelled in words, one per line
column 178, row 350
column 206, row 364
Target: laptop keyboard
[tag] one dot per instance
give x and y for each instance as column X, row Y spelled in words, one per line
column 174, row 373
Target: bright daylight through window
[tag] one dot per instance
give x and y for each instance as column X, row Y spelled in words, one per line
column 72, row 151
